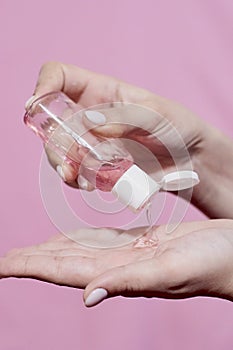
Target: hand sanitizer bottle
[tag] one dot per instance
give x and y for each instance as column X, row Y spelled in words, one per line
column 105, row 163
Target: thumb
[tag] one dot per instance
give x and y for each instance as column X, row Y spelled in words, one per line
column 121, row 119
column 132, row 280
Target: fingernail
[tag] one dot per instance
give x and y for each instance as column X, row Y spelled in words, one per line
column 96, row 117
column 60, row 172
column 96, row 297
column 82, row 182
column 29, row 102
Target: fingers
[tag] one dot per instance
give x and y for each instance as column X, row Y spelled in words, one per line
column 171, row 273
column 74, row 81
column 51, row 78
column 67, row 172
column 139, row 279
column 56, row 76
column 106, row 123
column 73, row 271
column 122, row 119
column 64, row 170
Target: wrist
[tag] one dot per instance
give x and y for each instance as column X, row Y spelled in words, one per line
column 224, row 283
column 214, row 163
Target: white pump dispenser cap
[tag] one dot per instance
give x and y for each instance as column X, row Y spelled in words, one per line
column 135, row 187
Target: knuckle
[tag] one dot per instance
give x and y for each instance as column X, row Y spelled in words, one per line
column 48, row 65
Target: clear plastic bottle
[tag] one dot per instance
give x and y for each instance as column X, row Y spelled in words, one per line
column 105, row 163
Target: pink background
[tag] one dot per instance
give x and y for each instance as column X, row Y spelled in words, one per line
column 180, row 49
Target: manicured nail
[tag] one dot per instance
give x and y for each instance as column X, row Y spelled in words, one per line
column 29, row 102
column 82, row 182
column 96, row 297
column 96, row 117
column 60, row 172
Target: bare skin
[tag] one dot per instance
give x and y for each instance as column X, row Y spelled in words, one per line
column 209, row 149
column 197, row 258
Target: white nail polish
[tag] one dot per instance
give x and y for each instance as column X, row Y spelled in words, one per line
column 82, row 182
column 60, row 172
column 96, row 297
column 29, row 102
column 96, row 117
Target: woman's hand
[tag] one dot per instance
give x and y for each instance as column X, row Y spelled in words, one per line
column 178, row 135
column 195, row 260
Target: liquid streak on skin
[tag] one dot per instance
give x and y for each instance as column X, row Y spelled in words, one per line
column 149, row 239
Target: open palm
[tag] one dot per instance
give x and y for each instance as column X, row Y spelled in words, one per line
column 196, row 259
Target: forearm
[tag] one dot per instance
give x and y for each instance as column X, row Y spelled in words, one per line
column 214, row 164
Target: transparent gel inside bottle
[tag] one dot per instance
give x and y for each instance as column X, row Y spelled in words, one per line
column 59, row 122
column 105, row 163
